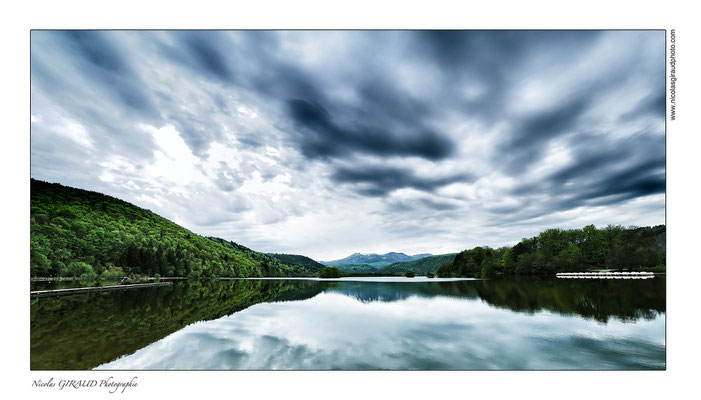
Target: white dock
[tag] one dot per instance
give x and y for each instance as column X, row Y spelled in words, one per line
column 606, row 275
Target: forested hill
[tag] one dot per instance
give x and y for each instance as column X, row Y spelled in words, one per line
column 76, row 232
column 572, row 250
column 296, row 259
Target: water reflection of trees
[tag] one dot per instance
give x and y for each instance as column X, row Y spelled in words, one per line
column 601, row 299
column 625, row 300
column 84, row 331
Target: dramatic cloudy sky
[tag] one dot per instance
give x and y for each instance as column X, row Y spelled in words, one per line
column 327, row 143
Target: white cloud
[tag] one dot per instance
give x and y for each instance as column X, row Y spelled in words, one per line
column 173, row 161
column 74, row 131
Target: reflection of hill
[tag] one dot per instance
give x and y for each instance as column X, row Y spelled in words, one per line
column 368, row 292
column 598, row 299
column 394, row 291
column 84, row 331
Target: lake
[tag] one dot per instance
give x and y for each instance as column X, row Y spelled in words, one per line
column 357, row 324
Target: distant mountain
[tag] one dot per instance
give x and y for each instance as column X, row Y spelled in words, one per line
column 370, row 259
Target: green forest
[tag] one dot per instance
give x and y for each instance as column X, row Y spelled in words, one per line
column 86, row 234
column 572, row 250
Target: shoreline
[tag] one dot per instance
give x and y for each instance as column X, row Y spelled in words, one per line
column 70, row 291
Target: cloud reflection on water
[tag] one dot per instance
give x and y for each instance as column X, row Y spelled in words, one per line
column 336, row 331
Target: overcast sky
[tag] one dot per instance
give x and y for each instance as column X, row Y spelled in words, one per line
column 328, row 143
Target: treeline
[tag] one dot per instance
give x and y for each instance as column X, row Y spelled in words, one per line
column 572, row 250
column 87, row 234
column 419, row 267
column 296, row 259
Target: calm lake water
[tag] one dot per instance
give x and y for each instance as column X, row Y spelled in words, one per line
column 395, row 323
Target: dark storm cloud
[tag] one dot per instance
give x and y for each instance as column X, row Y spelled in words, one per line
column 104, row 62
column 283, row 81
column 651, row 106
column 503, row 60
column 597, row 157
column 603, row 172
column 202, row 53
column 321, row 137
column 385, row 120
column 404, row 206
column 89, row 77
column 380, row 180
column 527, row 143
column 253, row 62
column 495, row 59
column 638, row 180
column 488, row 49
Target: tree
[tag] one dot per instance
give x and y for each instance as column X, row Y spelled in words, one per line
column 330, row 272
column 40, row 264
column 445, row 270
column 76, row 269
column 570, row 259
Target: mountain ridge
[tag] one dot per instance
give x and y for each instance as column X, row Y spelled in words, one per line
column 370, row 258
